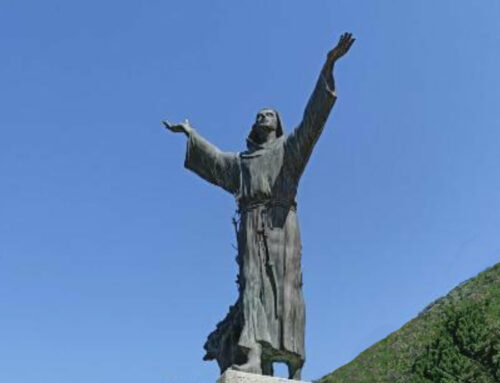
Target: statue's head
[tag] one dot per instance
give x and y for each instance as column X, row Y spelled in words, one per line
column 267, row 125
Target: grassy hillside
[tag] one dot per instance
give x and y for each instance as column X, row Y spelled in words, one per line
column 454, row 340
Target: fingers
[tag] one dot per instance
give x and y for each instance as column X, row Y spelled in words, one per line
column 183, row 127
column 341, row 38
column 344, row 38
column 172, row 127
column 345, row 42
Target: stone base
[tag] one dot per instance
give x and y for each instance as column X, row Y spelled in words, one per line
column 232, row 376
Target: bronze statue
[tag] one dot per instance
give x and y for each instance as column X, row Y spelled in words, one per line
column 266, row 324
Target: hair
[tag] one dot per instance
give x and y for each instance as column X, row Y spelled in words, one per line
column 279, row 128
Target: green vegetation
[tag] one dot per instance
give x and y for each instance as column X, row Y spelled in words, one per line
column 454, row 340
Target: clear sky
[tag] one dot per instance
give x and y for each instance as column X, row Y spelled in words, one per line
column 116, row 262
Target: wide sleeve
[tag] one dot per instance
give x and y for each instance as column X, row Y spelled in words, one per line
column 211, row 164
column 300, row 143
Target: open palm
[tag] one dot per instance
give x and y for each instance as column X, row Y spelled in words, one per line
column 343, row 46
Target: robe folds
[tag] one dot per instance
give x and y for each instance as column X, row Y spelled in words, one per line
column 270, row 308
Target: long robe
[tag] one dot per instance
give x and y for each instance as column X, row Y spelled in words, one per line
column 270, row 308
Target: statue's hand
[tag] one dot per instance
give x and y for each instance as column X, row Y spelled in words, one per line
column 343, row 46
column 183, row 127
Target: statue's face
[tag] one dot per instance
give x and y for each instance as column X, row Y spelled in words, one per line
column 266, row 119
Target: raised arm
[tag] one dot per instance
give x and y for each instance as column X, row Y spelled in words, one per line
column 206, row 160
column 301, row 141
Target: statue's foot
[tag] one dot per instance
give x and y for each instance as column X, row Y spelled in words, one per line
column 294, row 371
column 253, row 368
column 295, row 374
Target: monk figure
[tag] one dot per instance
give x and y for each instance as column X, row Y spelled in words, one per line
column 266, row 324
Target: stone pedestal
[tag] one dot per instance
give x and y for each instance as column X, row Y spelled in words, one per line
column 232, row 376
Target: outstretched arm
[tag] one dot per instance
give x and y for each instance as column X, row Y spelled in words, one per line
column 301, row 141
column 206, row 160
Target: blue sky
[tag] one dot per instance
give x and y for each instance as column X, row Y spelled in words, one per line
column 116, row 262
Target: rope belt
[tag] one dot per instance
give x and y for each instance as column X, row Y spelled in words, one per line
column 245, row 207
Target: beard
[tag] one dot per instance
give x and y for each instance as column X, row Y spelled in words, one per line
column 265, row 128
column 262, row 132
